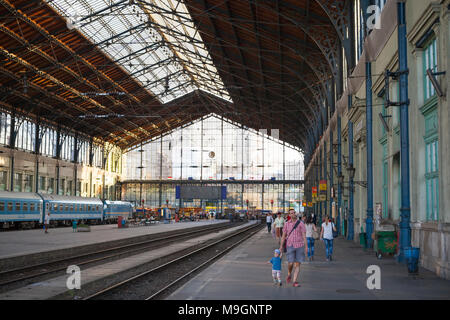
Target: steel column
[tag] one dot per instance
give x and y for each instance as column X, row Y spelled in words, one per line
column 36, row 152
column 325, row 171
column 319, row 176
column 75, row 164
column 12, row 145
column 221, row 165
column 58, row 156
column 160, row 169
column 284, row 177
column 369, row 146
column 331, row 174
column 350, row 235
column 181, row 165
column 405, row 228
column 339, row 202
column 141, row 167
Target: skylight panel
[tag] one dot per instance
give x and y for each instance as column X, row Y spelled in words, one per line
column 163, row 24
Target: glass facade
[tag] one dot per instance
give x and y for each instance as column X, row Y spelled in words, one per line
column 215, row 149
column 267, row 196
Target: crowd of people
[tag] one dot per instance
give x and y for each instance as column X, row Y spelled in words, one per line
column 295, row 235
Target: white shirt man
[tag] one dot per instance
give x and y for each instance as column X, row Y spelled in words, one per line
column 269, row 221
column 47, row 222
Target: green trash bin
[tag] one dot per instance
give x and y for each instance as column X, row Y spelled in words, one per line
column 362, row 239
column 386, row 243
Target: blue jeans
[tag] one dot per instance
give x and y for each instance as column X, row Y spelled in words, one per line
column 310, row 247
column 328, row 247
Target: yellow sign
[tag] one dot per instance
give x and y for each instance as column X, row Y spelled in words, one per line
column 323, row 185
column 310, row 204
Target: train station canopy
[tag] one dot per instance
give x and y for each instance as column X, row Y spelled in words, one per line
column 126, row 71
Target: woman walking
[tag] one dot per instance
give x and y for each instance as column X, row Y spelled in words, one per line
column 310, row 227
column 279, row 224
column 327, row 235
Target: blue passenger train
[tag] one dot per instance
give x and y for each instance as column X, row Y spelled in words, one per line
column 21, row 209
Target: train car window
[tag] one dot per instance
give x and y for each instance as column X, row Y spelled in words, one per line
column 25, row 206
column 98, row 208
column 61, row 207
column 46, row 206
column 17, row 206
column 39, row 207
column 32, row 206
column 67, row 207
column 71, row 207
column 2, row 206
column 10, row 206
column 55, row 207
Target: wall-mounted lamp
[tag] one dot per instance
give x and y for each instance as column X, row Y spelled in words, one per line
column 341, row 179
column 383, row 121
column 351, row 174
column 431, row 75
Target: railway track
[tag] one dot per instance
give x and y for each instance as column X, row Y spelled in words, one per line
column 10, row 277
column 162, row 279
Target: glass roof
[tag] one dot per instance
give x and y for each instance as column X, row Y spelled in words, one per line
column 154, row 40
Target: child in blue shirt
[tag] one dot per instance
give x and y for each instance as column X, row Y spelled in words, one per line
column 74, row 226
column 276, row 267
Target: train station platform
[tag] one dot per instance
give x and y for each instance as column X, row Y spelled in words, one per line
column 26, row 242
column 103, row 274
column 244, row 274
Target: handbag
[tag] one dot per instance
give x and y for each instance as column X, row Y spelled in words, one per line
column 285, row 240
column 335, row 233
column 315, row 235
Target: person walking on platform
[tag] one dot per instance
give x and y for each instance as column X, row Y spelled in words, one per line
column 310, row 228
column 327, row 235
column 74, row 226
column 269, row 221
column 294, row 232
column 46, row 222
column 279, row 224
column 276, row 267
